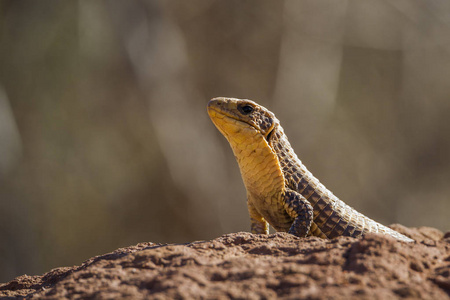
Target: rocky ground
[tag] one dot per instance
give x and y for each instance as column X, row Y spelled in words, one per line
column 243, row 265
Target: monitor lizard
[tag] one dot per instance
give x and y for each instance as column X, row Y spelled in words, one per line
column 280, row 190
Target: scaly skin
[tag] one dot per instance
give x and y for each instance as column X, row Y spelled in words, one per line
column 280, row 190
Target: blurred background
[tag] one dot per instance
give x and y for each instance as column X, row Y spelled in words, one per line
column 105, row 140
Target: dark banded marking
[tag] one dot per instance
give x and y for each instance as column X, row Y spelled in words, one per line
column 322, row 218
column 331, row 222
column 339, row 229
column 302, row 184
column 308, row 191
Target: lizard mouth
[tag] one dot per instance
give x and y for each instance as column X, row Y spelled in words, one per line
column 269, row 135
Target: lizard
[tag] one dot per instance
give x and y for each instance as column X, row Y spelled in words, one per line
column 281, row 191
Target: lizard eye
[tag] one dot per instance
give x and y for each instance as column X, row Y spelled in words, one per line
column 246, row 109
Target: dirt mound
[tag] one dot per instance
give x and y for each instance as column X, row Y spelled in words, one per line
column 244, row 265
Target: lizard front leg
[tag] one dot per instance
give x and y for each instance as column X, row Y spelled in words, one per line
column 258, row 224
column 299, row 209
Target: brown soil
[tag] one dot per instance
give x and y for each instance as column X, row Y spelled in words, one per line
column 244, row 265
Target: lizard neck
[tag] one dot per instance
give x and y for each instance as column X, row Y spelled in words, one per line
column 293, row 169
column 289, row 162
column 258, row 163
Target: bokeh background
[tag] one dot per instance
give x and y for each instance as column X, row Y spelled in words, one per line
column 105, row 140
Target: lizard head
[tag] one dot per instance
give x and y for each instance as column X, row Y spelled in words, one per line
column 233, row 116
